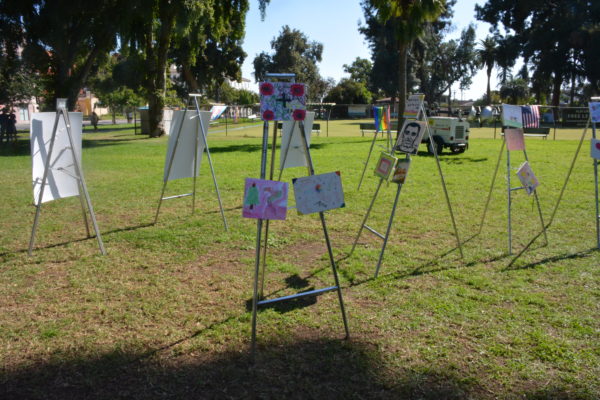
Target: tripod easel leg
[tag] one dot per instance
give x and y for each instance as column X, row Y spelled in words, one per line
column 367, row 162
column 388, row 230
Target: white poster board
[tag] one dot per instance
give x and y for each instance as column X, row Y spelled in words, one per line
column 183, row 163
column 61, row 181
column 413, row 106
column 318, row 193
column 296, row 155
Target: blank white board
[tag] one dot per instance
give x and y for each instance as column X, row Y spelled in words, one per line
column 295, row 156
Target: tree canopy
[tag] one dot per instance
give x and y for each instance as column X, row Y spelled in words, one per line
column 292, row 53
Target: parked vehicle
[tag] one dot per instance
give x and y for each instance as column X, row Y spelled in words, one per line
column 447, row 132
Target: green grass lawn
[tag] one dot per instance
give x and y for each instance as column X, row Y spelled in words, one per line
column 165, row 313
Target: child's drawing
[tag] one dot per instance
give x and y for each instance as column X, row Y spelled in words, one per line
column 385, row 166
column 512, row 116
column 527, row 178
column 282, row 101
column 318, row 193
column 595, row 112
column 401, row 171
column 265, row 199
column 514, row 139
column 595, row 153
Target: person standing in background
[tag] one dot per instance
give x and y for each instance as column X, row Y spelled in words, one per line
column 4, row 125
column 11, row 128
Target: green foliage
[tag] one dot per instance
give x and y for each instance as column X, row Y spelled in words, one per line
column 292, row 53
column 359, row 70
column 349, row 91
column 515, row 91
column 558, row 40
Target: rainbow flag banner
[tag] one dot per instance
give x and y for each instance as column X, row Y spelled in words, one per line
column 382, row 118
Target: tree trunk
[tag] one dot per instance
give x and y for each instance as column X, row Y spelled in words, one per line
column 402, row 63
column 450, row 100
column 189, row 78
column 557, row 82
column 489, row 90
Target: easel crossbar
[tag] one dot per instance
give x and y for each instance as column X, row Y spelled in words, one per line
column 315, row 292
column 177, row 196
column 374, row 231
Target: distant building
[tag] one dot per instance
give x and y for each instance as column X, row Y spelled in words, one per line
column 25, row 111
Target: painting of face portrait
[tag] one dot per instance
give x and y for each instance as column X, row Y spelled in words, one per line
column 410, row 137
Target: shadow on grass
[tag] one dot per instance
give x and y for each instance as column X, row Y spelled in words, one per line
column 83, row 239
column 323, row 368
column 250, row 148
column 560, row 257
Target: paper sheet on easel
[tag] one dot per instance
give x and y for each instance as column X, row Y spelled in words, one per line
column 595, row 149
column 514, row 139
column 595, row 111
column 61, row 181
column 183, row 162
column 296, row 156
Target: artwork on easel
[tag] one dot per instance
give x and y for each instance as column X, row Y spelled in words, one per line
column 264, row 199
column 296, row 155
column 595, row 112
column 512, row 116
column 401, row 171
column 61, row 180
column 385, row 166
column 410, row 137
column 595, row 149
column 527, row 178
column 382, row 118
column 514, row 139
column 183, row 161
column 413, row 106
column 318, row 193
column 282, row 101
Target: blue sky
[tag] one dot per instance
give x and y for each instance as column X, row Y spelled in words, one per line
column 334, row 23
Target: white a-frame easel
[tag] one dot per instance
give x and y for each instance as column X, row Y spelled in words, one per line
column 420, row 115
column 191, row 139
column 509, row 190
column 261, row 244
column 62, row 174
column 386, row 113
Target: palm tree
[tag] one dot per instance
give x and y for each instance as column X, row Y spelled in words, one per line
column 487, row 55
column 410, row 17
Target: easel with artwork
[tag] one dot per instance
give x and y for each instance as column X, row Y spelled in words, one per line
column 187, row 142
column 390, row 167
column 514, row 141
column 57, row 171
column 284, row 100
column 594, row 119
column 382, row 124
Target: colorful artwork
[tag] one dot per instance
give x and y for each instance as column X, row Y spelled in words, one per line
column 514, row 139
column 282, row 101
column 595, row 112
column 292, row 141
column 385, row 166
column 595, row 152
column 185, row 135
column 512, row 116
column 216, row 112
column 414, row 104
column 410, row 136
column 401, row 171
column 265, row 199
column 382, row 118
column 527, row 178
column 61, row 180
column 318, row 193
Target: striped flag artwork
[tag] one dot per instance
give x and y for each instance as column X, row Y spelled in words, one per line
column 382, row 118
column 531, row 116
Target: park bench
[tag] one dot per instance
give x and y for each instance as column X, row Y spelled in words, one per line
column 316, row 127
column 370, row 127
column 535, row 132
column 539, row 132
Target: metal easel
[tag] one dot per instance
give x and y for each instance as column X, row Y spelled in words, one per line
column 509, row 190
column 201, row 133
column 257, row 297
column 389, row 145
column 385, row 237
column 61, row 111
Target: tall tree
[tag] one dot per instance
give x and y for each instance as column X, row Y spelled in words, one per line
column 487, row 59
column 161, row 30
column 63, row 40
column 409, row 20
column 359, row 70
column 292, row 53
column 551, row 36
